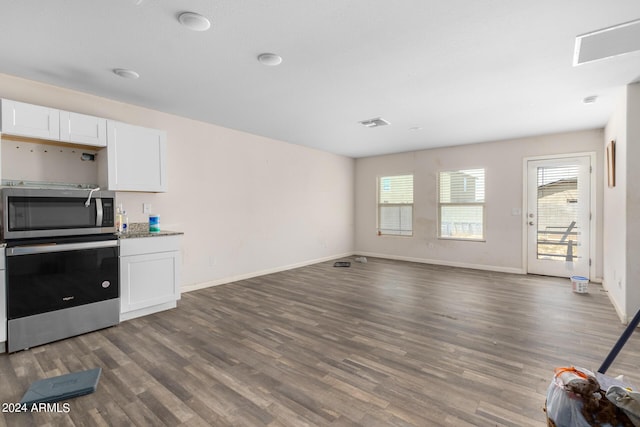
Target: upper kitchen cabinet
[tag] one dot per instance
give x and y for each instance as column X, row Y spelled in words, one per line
column 83, row 129
column 35, row 121
column 136, row 158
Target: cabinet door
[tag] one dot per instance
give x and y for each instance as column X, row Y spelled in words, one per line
column 35, row 121
column 136, row 158
column 3, row 302
column 148, row 280
column 83, row 129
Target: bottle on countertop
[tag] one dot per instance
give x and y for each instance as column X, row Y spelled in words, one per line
column 125, row 222
column 119, row 218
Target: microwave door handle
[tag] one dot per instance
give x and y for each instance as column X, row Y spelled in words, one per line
column 99, row 212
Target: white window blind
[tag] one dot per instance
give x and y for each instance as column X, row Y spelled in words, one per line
column 395, row 205
column 559, row 213
column 461, row 204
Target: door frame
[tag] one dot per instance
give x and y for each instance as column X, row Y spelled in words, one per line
column 593, row 211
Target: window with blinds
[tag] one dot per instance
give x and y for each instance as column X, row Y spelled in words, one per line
column 395, row 205
column 461, row 204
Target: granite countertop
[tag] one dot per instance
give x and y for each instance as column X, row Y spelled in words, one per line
column 141, row 229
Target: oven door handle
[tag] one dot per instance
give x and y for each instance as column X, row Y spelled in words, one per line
column 54, row 247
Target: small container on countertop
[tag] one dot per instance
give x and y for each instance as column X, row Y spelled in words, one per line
column 154, row 223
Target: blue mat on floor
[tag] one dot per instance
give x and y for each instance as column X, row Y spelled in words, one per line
column 62, row 387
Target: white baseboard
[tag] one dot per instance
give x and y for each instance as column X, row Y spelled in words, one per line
column 621, row 314
column 225, row 280
column 446, row 263
column 499, row 269
column 147, row 310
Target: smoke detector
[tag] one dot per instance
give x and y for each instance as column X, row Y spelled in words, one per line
column 374, row 123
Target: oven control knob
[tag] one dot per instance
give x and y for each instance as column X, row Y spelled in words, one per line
column 106, row 284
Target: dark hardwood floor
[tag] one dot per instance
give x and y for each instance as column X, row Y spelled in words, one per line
column 385, row 343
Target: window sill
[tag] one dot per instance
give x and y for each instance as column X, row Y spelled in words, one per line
column 462, row 239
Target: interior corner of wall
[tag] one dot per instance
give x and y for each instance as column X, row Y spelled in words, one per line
column 622, row 314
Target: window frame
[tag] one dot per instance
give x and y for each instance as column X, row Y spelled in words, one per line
column 379, row 206
column 440, row 205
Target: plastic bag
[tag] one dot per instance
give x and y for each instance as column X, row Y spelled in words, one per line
column 575, row 399
column 564, row 407
column 627, row 400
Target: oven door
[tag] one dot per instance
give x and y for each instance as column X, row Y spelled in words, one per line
column 48, row 276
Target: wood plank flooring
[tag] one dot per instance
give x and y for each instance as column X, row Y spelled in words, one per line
column 386, row 343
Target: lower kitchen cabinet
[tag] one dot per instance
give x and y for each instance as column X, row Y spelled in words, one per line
column 149, row 275
column 3, row 305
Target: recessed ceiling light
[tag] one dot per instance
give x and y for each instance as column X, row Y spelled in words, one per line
column 194, row 21
column 270, row 59
column 127, row 74
column 590, row 99
column 374, row 123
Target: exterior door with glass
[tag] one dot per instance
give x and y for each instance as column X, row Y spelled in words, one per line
column 558, row 216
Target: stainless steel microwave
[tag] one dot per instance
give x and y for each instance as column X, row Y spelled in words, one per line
column 35, row 212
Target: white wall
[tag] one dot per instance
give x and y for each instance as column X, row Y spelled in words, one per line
column 247, row 204
column 615, row 211
column 622, row 207
column 503, row 163
column 633, row 199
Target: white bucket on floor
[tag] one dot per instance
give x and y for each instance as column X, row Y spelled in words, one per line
column 580, row 284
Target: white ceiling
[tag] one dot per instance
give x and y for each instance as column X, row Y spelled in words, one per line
column 463, row 71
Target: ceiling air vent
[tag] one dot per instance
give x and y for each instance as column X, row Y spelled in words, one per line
column 374, row 123
column 608, row 42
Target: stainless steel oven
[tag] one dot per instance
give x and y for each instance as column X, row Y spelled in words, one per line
column 62, row 269
column 34, row 212
column 57, row 289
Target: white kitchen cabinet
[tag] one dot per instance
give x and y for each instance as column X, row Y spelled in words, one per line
column 136, row 158
column 149, row 275
column 3, row 305
column 34, row 121
column 83, row 129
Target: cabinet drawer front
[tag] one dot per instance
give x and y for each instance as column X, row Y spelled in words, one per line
column 149, row 245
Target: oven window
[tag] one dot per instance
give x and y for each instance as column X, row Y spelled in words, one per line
column 45, row 282
column 43, row 213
